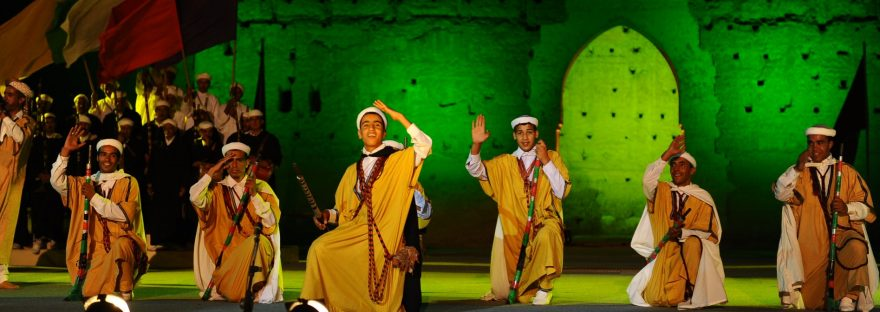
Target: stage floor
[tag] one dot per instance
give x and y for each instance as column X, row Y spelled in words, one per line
column 594, row 279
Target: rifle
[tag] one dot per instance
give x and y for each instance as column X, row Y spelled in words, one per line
column 239, row 213
column 308, row 192
column 82, row 264
column 830, row 303
column 521, row 261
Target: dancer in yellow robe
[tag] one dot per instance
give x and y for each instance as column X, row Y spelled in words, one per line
column 360, row 265
column 116, row 256
column 807, row 190
column 681, row 220
column 506, row 178
column 216, row 203
column 16, row 134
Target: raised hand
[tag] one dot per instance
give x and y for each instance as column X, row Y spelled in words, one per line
column 219, row 167
column 478, row 130
column 72, row 142
column 395, row 115
column 677, row 146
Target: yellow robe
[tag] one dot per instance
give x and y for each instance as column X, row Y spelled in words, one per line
column 124, row 260
column 813, row 237
column 216, row 219
column 337, row 265
column 544, row 252
column 13, row 160
column 677, row 264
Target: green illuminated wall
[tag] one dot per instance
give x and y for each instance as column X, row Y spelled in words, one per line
column 443, row 62
column 619, row 106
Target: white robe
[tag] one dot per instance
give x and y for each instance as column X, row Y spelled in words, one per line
column 709, row 286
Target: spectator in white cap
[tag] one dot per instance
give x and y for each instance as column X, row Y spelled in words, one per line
column 16, row 135
column 228, row 120
column 809, row 193
column 82, row 107
column 204, row 100
column 116, row 254
column 518, row 170
column 102, row 107
column 216, row 204
column 255, row 135
column 205, row 148
column 380, row 185
column 689, row 273
column 168, row 164
column 122, row 110
column 47, row 225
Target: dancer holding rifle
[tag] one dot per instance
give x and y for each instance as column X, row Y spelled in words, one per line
column 531, row 176
column 807, row 190
column 230, row 211
column 678, row 235
column 116, row 256
column 360, row 265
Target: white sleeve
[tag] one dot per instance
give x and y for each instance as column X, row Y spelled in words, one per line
column 198, row 193
column 783, row 190
column 557, row 183
column 423, row 204
column 421, row 143
column 685, row 233
column 9, row 128
column 264, row 210
column 475, row 167
column 107, row 208
column 58, row 175
column 652, row 176
column 857, row 210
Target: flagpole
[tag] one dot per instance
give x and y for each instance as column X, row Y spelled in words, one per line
column 89, row 75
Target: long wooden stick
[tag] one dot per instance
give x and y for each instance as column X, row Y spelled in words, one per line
column 82, row 264
column 831, row 304
column 520, row 262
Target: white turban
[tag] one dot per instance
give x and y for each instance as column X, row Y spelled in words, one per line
column 112, row 142
column 22, row 87
column 167, row 122
column 252, row 113
column 48, row 115
column 160, row 103
column 83, row 118
column 687, row 156
column 78, row 96
column 394, row 144
column 173, row 90
column 821, row 130
column 205, row 76
column 524, row 119
column 46, row 98
column 125, row 122
column 373, row 110
column 237, row 85
column 238, row 146
column 206, row 125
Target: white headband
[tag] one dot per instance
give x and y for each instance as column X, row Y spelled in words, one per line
column 22, row 87
column 821, row 130
column 687, row 156
column 373, row 110
column 205, row 76
column 238, row 146
column 125, row 122
column 524, row 119
column 112, row 142
column 161, row 103
column 252, row 113
column 206, row 125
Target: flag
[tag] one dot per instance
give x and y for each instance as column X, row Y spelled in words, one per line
column 24, row 35
column 203, row 24
column 260, row 96
column 84, row 24
column 853, row 117
column 138, row 34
